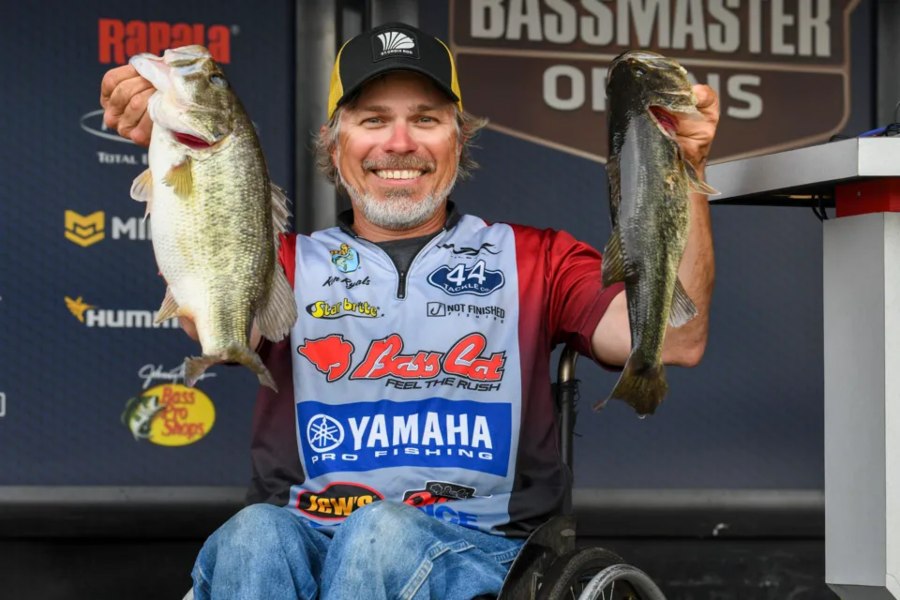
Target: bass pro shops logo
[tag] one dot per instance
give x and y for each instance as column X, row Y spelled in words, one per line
column 119, row 40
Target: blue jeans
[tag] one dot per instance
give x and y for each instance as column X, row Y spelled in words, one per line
column 383, row 550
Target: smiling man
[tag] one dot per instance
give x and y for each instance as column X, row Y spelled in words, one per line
column 413, row 445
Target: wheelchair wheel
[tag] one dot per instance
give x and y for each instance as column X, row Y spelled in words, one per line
column 596, row 574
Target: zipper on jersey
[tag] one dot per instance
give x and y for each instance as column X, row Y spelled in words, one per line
column 401, row 281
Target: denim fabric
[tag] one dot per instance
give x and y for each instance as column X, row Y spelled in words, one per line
column 382, row 551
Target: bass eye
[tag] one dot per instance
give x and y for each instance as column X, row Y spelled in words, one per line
column 639, row 71
column 218, row 81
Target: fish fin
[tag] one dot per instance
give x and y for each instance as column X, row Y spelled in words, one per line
column 194, row 367
column 168, row 309
column 181, row 179
column 281, row 214
column 142, row 190
column 276, row 317
column 643, row 386
column 613, row 268
column 696, row 184
column 683, row 308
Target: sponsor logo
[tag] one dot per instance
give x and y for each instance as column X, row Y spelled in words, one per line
column 170, row 415
column 486, row 247
column 151, row 373
column 343, row 308
column 345, row 258
column 437, row 492
column 432, row 433
column 346, row 281
column 90, row 315
column 88, row 230
column 337, row 500
column 120, row 40
column 92, row 123
column 332, row 355
column 439, row 309
column 85, row 230
column 396, row 42
column 461, row 279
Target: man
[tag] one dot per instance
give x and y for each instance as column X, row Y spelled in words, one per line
column 409, row 456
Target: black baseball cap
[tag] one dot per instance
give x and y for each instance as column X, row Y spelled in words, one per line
column 391, row 47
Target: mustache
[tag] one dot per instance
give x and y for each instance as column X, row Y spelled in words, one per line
column 399, row 163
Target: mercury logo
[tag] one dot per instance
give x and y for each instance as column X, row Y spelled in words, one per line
column 393, row 42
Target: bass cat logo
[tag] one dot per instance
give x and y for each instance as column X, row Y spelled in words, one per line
column 332, row 355
column 460, row 279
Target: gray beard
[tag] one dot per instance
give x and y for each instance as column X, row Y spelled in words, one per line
column 398, row 211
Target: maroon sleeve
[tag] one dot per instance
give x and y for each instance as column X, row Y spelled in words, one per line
column 574, row 298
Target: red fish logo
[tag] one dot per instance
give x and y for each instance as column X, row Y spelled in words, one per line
column 330, row 355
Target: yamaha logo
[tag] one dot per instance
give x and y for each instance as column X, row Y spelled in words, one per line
column 396, row 42
column 324, row 433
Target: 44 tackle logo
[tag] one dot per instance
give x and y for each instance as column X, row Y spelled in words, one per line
column 460, row 279
column 337, row 500
column 461, row 366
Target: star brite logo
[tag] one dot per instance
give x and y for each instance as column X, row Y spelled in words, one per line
column 435, row 432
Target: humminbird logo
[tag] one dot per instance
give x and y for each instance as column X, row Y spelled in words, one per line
column 88, row 230
column 91, row 316
column 396, row 42
column 120, row 40
column 84, row 230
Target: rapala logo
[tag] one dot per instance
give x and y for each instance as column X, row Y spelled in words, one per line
column 90, row 315
column 120, row 40
column 332, row 355
column 337, row 500
column 433, row 433
column 170, row 415
column 87, row 230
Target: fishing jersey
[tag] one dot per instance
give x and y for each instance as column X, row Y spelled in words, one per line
column 430, row 387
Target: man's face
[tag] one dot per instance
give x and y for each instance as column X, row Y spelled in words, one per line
column 397, row 151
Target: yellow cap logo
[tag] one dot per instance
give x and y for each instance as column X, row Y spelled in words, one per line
column 178, row 415
column 85, row 230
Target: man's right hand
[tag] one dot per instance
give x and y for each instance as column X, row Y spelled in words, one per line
column 124, row 95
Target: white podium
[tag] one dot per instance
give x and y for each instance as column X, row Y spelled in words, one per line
column 861, row 297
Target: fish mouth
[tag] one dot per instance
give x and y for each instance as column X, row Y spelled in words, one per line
column 191, row 141
column 666, row 121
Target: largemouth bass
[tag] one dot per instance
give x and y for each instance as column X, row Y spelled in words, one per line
column 215, row 214
column 649, row 184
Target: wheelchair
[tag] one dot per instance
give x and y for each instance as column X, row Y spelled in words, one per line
column 549, row 566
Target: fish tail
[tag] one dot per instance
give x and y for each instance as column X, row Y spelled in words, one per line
column 642, row 385
column 195, row 367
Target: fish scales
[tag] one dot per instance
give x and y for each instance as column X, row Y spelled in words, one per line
column 650, row 183
column 215, row 213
